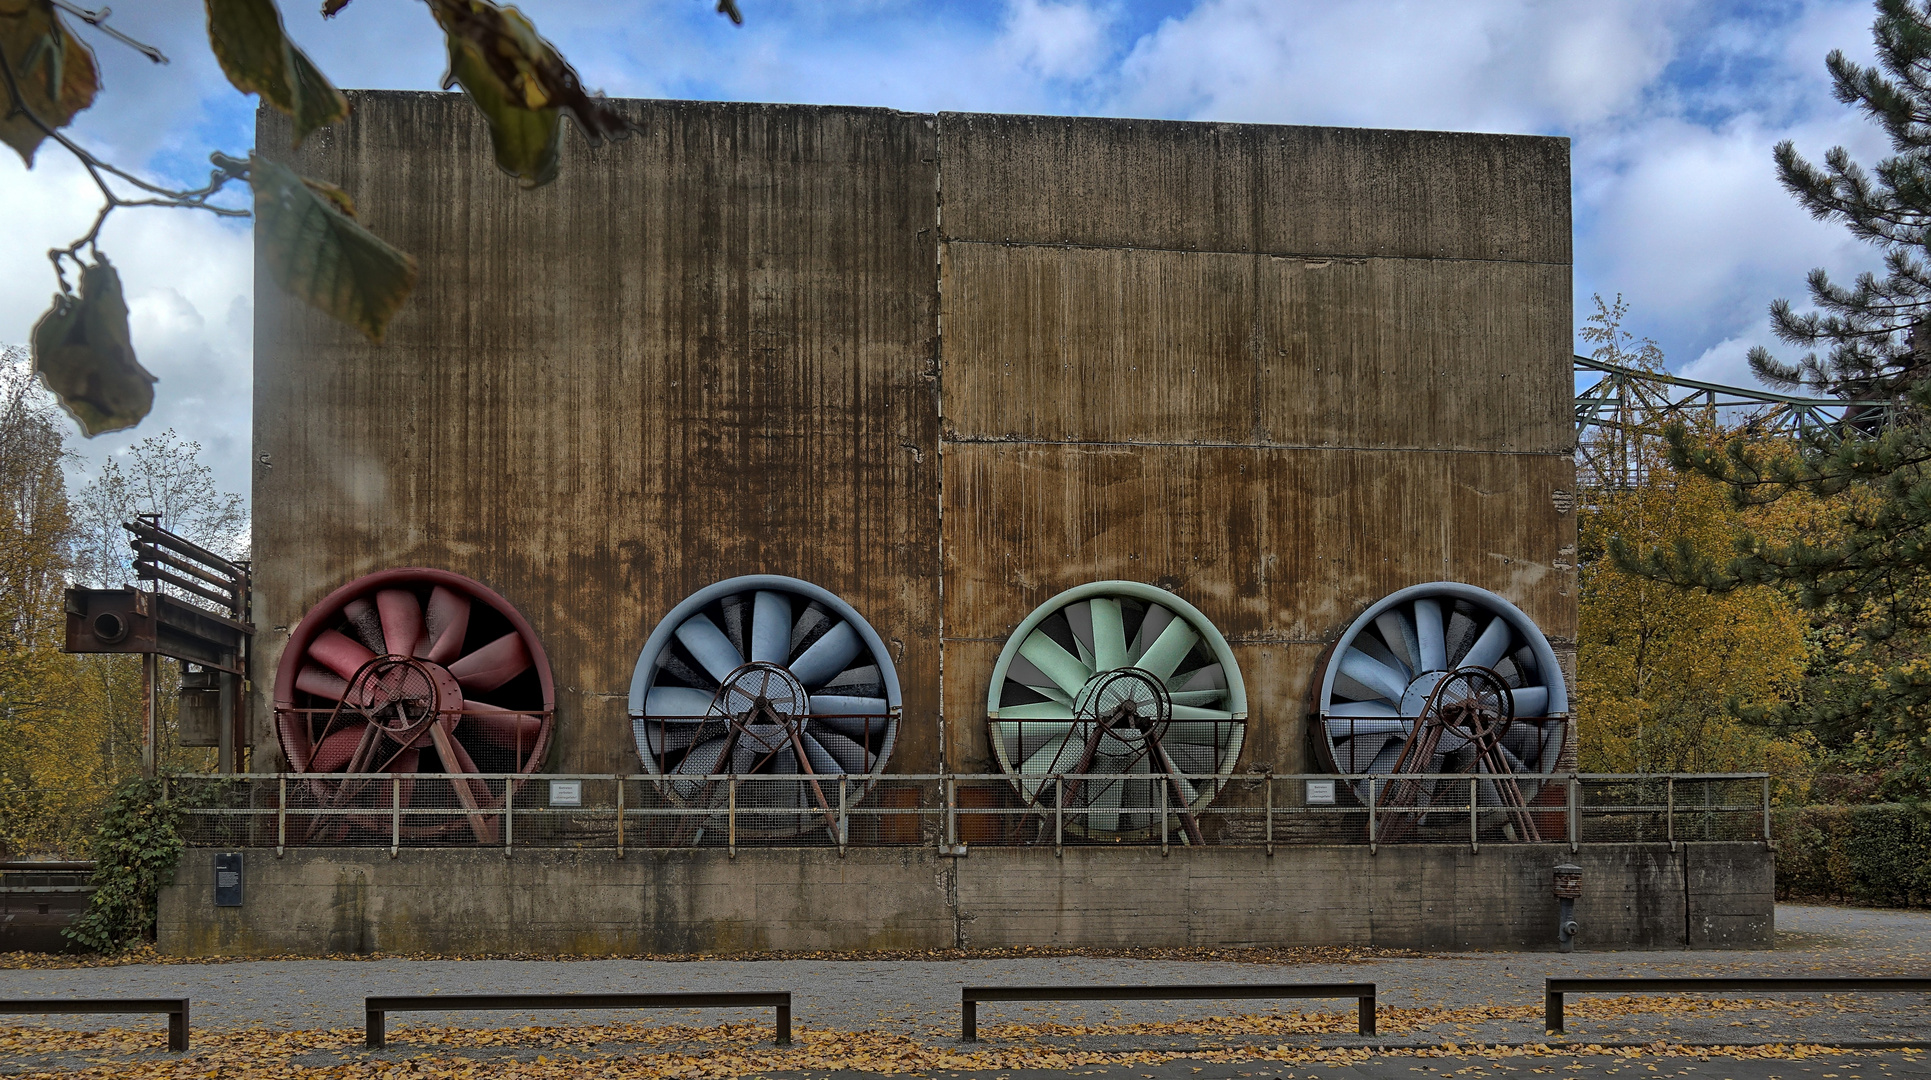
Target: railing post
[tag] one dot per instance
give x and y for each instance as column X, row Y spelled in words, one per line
column 1669, row 811
column 1575, row 813
column 509, row 815
column 1474, row 823
column 395, row 814
column 1767, row 842
column 620, row 815
column 1267, row 786
column 1163, row 818
column 731, row 817
column 281, row 815
column 1059, row 815
column 949, row 791
column 844, row 821
column 1373, row 837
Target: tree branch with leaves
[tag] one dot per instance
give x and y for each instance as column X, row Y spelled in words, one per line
column 309, row 238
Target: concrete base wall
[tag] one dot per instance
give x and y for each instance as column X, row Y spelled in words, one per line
column 688, row 901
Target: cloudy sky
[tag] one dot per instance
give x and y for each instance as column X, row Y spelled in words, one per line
column 1672, row 105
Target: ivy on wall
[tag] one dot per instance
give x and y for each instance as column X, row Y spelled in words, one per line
column 135, row 850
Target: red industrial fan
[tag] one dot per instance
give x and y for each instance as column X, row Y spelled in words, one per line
column 413, row 671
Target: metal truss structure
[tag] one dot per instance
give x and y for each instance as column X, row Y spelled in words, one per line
column 1624, row 406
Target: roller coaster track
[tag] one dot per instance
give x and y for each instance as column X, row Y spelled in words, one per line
column 1623, row 406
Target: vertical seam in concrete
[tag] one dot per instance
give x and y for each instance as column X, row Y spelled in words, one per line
column 1683, row 864
column 938, row 401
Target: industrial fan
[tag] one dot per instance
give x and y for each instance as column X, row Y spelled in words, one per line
column 1443, row 678
column 413, row 671
column 1132, row 691
column 764, row 676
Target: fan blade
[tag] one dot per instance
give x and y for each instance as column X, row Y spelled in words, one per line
column 1197, row 697
column 1531, row 700
column 1195, row 733
column 851, row 757
column 1361, row 708
column 1490, row 646
column 678, row 704
column 1351, row 727
column 733, row 608
column 1357, row 755
column 1079, row 619
column 402, row 626
column 858, row 682
column 1046, row 759
column 708, row 644
column 821, row 760
column 702, row 760
column 339, row 653
column 771, row 628
column 834, row 705
column 1109, row 634
column 335, row 750
column 1385, row 760
column 1373, row 674
column 827, row 656
column 1054, row 662
column 1430, row 634
column 501, row 727
column 1382, row 655
column 367, row 623
column 446, row 623
column 1021, row 739
column 854, row 717
column 1151, row 627
column 493, row 665
column 1167, row 650
column 1210, row 677
column 1103, row 807
column 1039, row 710
column 1400, row 636
column 1195, row 712
column 314, row 679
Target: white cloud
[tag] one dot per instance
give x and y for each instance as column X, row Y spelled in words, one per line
column 1057, row 40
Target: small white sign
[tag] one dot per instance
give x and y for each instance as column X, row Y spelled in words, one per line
column 570, row 792
column 1320, row 793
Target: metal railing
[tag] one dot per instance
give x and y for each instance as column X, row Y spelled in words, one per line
column 956, row 811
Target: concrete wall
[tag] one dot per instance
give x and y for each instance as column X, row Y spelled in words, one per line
column 687, row 901
column 1282, row 371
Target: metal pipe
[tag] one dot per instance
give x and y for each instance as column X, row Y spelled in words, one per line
column 509, row 815
column 1372, row 829
column 395, row 815
column 731, row 818
column 1163, row 819
column 1267, row 785
column 620, row 815
column 1669, row 811
column 281, row 816
column 1575, row 811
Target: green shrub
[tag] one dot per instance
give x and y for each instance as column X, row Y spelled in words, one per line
column 1877, row 854
column 135, row 849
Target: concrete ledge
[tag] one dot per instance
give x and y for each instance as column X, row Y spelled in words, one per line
column 445, row 900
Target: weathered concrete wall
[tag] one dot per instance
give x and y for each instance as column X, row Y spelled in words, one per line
column 1417, row 897
column 707, row 350
column 1280, row 370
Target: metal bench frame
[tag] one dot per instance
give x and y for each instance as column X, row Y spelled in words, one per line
column 175, row 1008
column 970, row 996
column 1554, row 989
column 375, row 1009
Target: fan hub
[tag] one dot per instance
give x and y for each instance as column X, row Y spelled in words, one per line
column 1419, row 690
column 767, row 703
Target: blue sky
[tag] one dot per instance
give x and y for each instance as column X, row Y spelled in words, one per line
column 1673, row 107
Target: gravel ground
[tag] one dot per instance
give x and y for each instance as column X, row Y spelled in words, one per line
column 920, row 998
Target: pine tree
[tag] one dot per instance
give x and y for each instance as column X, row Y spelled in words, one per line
column 1875, row 333
column 1854, row 549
